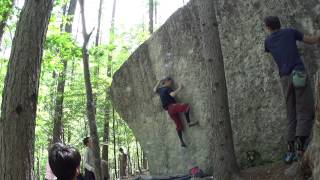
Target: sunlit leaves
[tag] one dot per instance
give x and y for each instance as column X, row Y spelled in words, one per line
column 5, row 9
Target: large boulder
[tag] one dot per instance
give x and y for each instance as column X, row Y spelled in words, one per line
column 257, row 106
column 255, row 98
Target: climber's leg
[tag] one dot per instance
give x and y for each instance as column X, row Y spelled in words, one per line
column 305, row 115
column 290, row 99
column 289, row 95
column 305, row 110
column 180, row 137
column 183, row 108
column 177, row 120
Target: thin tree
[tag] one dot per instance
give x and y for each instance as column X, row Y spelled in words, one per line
column 156, row 3
column 225, row 165
column 138, row 156
column 106, row 127
column 151, row 6
column 58, row 112
column 114, row 143
column 20, row 94
column 97, row 43
column 99, row 23
column 7, row 6
column 90, row 102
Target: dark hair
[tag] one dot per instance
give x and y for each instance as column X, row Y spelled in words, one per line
column 120, row 149
column 86, row 141
column 272, row 22
column 64, row 161
column 167, row 79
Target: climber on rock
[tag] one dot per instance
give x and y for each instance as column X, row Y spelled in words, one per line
column 167, row 96
column 281, row 43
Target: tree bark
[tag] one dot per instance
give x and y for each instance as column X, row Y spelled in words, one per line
column 225, row 165
column 310, row 164
column 58, row 112
column 90, row 102
column 99, row 23
column 4, row 20
column 138, row 157
column 156, row 12
column 114, row 143
column 19, row 103
column 151, row 6
column 105, row 148
column 111, row 38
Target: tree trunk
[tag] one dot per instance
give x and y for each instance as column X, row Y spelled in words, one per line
column 99, row 23
column 71, row 11
column 19, row 103
column 105, row 148
column 5, row 18
column 145, row 161
column 111, row 38
column 138, row 157
column 114, row 143
column 156, row 12
column 58, row 112
column 90, row 102
column 151, row 6
column 225, row 165
column 310, row 164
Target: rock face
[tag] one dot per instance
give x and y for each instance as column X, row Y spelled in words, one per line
column 255, row 98
column 257, row 105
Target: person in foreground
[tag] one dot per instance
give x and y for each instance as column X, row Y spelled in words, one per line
column 167, row 96
column 64, row 161
column 281, row 43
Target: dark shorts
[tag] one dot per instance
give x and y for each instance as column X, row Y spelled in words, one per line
column 174, row 111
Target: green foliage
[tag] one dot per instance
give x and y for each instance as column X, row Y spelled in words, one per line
column 105, row 59
column 5, row 9
column 59, row 47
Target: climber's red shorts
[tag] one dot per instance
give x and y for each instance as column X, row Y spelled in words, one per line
column 174, row 110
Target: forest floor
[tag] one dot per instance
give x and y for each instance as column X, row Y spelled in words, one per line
column 274, row 171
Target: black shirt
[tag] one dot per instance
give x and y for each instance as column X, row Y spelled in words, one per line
column 165, row 96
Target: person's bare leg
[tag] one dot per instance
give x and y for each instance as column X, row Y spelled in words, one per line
column 180, row 137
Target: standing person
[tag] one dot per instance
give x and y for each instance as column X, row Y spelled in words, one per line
column 64, row 161
column 123, row 159
column 167, row 96
column 88, row 160
column 281, row 43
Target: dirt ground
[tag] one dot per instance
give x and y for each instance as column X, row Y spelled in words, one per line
column 274, row 171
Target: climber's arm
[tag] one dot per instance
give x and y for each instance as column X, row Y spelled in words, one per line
column 311, row 39
column 155, row 89
column 175, row 93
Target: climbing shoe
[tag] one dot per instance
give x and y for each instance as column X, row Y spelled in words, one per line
column 183, row 145
column 290, row 157
column 193, row 123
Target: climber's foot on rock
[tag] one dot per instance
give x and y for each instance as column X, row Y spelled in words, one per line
column 290, row 157
column 183, row 144
column 193, row 123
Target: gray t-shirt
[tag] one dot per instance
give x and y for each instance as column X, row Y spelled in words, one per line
column 88, row 159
